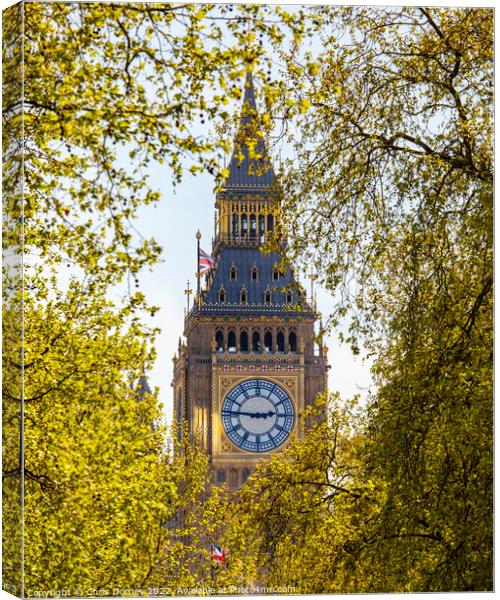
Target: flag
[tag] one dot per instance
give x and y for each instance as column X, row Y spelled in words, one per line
column 218, row 555
column 206, row 262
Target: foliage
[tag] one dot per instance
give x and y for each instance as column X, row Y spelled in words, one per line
column 108, row 88
column 199, row 525
column 99, row 487
column 12, row 319
column 392, row 201
column 300, row 518
column 431, row 429
column 398, row 134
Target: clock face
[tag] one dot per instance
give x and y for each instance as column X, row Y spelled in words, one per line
column 257, row 415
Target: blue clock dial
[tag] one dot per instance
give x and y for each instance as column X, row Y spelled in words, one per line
column 258, row 415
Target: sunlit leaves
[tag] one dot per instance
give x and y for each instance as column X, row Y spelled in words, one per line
column 391, row 200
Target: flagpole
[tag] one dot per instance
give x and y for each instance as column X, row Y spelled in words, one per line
column 198, row 237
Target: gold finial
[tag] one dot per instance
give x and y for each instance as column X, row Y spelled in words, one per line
column 188, row 291
column 198, row 235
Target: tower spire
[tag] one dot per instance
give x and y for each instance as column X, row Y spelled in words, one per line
column 250, row 168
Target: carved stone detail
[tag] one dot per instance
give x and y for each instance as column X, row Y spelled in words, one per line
column 225, row 384
column 226, row 446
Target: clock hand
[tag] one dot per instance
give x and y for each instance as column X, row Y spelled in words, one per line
column 256, row 415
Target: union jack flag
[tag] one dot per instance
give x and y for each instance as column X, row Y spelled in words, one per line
column 218, row 555
column 206, row 261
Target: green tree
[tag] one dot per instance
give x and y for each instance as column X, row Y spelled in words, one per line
column 107, row 89
column 392, row 202
column 100, row 488
column 398, row 133
column 301, row 517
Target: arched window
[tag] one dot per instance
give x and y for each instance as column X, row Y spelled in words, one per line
column 244, row 226
column 267, row 296
column 231, row 341
column 276, row 274
column 289, row 297
column 233, row 273
column 255, row 341
column 245, row 475
column 221, row 476
column 254, row 273
column 270, row 222
column 280, row 341
column 235, row 227
column 243, row 295
column 268, row 341
column 222, row 295
column 219, row 341
column 292, row 341
column 253, row 227
column 243, row 341
column 262, row 228
column 233, row 478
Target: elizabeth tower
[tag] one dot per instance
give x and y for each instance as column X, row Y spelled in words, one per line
column 249, row 365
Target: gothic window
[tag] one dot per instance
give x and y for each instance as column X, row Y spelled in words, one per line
column 222, row 295
column 292, row 341
column 267, row 296
column 280, row 341
column 262, row 228
column 231, row 341
column 253, row 227
column 243, row 341
column 233, row 478
column 221, row 476
column 235, row 227
column 219, row 341
column 270, row 222
column 289, row 297
column 233, row 272
column 254, row 274
column 245, row 475
column 276, row 274
column 244, row 226
column 268, row 341
column 243, row 295
column 255, row 341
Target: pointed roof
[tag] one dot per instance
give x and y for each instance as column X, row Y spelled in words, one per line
column 245, row 173
column 142, row 387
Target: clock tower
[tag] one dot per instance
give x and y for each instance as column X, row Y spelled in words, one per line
column 249, row 365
